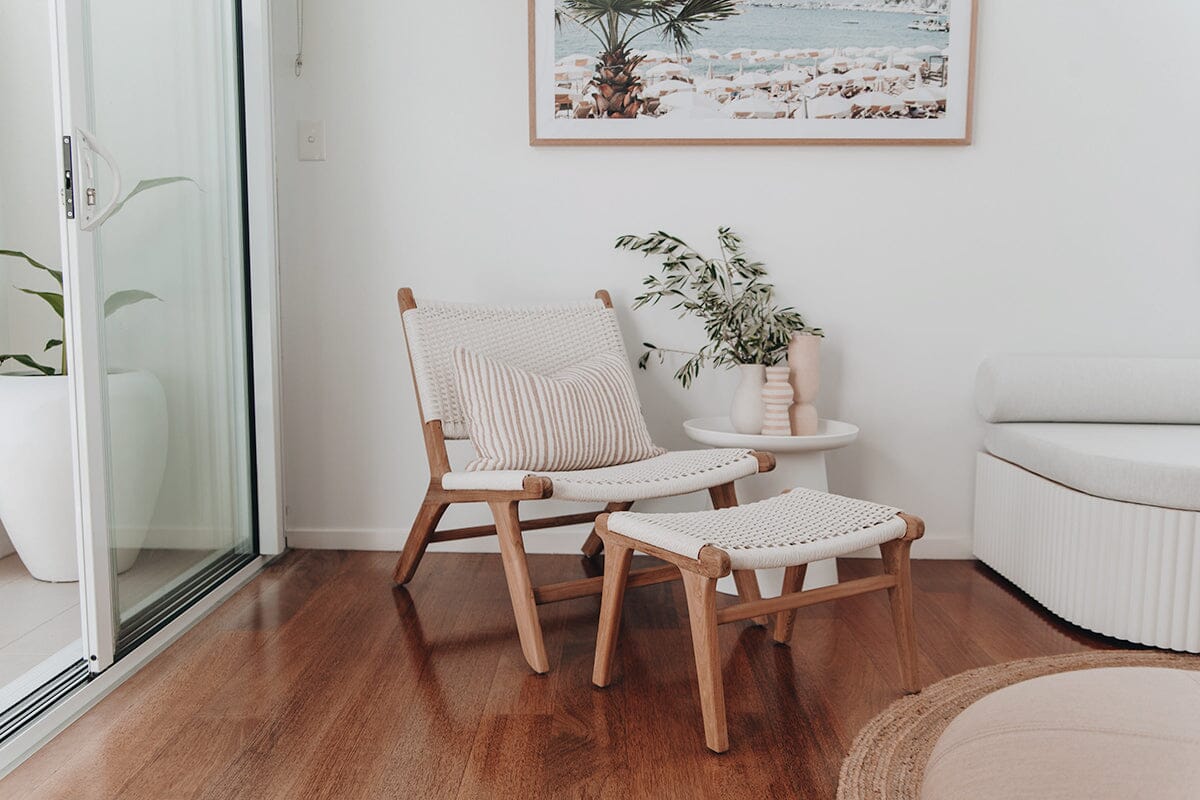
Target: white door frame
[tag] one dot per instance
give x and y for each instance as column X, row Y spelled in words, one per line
column 84, row 322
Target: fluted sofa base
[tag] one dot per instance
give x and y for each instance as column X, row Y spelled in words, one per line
column 1120, row 569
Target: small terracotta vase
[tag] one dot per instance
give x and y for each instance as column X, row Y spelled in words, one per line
column 777, row 396
column 746, row 413
column 804, row 360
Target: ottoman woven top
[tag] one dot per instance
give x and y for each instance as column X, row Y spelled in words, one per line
column 798, row 527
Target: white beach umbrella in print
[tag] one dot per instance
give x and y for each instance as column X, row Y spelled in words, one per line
column 755, row 107
column 901, row 60
column 861, row 74
column 763, row 56
column 668, row 86
column 920, row 96
column 739, row 55
column 826, row 52
column 654, row 56
column 868, row 63
column 877, row 101
column 716, row 86
column 829, row 107
column 888, row 50
column 830, row 79
column 667, row 70
column 688, row 100
column 576, row 60
column 792, row 53
column 853, row 52
column 751, row 80
column 792, row 76
column 835, row 63
column 927, row 50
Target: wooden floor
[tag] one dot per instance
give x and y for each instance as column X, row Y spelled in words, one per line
column 320, row 680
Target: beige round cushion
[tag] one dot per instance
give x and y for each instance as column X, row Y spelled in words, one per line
column 1119, row 732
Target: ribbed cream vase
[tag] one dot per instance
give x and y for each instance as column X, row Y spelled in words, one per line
column 777, row 399
column 1120, row 569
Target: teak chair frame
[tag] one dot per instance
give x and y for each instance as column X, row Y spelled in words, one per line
column 700, row 577
column 509, row 528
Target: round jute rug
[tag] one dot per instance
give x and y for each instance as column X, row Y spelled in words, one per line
column 887, row 760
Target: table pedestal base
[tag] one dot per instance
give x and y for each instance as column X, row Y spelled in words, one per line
column 792, row 470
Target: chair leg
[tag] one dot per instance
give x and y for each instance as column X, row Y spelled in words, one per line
column 746, row 581
column 793, row 581
column 520, row 588
column 616, row 572
column 594, row 544
column 896, row 562
column 423, row 526
column 702, row 612
column 725, row 496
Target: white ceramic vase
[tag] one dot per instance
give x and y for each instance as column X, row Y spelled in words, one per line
column 804, row 361
column 777, row 396
column 746, row 412
column 37, row 486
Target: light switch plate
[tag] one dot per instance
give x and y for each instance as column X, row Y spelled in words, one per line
column 310, row 139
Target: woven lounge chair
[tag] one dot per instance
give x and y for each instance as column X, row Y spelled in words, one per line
column 541, row 339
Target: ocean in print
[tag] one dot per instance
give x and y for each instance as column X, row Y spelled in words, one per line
column 782, row 28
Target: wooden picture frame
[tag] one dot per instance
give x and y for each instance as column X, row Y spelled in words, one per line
column 560, row 114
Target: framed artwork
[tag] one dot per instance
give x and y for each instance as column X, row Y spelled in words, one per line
column 751, row 71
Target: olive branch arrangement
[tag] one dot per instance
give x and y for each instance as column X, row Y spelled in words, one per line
column 728, row 294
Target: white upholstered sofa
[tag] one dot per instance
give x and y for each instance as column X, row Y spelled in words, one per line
column 1088, row 492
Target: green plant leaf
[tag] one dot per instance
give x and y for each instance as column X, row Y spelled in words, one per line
column 150, row 184
column 54, row 299
column 28, row 361
column 52, row 343
column 118, row 300
column 56, row 274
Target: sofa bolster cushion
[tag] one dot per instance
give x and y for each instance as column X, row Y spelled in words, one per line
column 1014, row 388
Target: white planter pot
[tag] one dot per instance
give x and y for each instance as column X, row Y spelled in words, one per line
column 37, row 484
column 746, row 412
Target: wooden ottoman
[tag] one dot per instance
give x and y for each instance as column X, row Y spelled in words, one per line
column 790, row 531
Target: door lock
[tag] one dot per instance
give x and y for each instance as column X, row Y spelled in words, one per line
column 91, row 196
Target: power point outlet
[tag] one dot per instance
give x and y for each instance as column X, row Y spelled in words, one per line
column 310, row 139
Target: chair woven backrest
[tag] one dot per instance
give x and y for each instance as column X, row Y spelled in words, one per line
column 539, row 339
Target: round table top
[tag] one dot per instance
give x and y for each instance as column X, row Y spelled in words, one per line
column 718, row 432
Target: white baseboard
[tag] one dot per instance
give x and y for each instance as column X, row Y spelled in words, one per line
column 562, row 540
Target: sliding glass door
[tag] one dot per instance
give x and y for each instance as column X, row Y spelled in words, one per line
column 154, row 233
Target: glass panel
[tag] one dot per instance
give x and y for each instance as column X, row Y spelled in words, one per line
column 165, row 102
column 40, row 616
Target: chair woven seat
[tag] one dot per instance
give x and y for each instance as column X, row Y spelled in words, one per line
column 798, row 527
column 673, row 473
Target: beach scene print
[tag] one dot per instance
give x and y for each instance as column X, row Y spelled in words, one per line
column 753, row 59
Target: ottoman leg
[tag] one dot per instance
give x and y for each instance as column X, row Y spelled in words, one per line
column 793, row 581
column 896, row 562
column 702, row 612
column 616, row 573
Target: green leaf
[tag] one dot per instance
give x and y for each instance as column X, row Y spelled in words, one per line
column 118, row 300
column 53, row 298
column 52, row 343
column 28, row 361
column 56, row 274
column 150, row 184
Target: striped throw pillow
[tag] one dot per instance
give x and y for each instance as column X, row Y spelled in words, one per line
column 584, row 417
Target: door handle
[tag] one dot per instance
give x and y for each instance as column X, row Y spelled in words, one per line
column 94, row 219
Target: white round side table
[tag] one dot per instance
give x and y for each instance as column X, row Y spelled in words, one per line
column 799, row 462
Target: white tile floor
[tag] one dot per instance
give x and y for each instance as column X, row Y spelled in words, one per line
column 41, row 621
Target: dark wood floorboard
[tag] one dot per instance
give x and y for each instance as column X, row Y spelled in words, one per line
column 319, row 680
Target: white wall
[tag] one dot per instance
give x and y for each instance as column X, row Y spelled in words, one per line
column 1072, row 225
column 28, row 201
